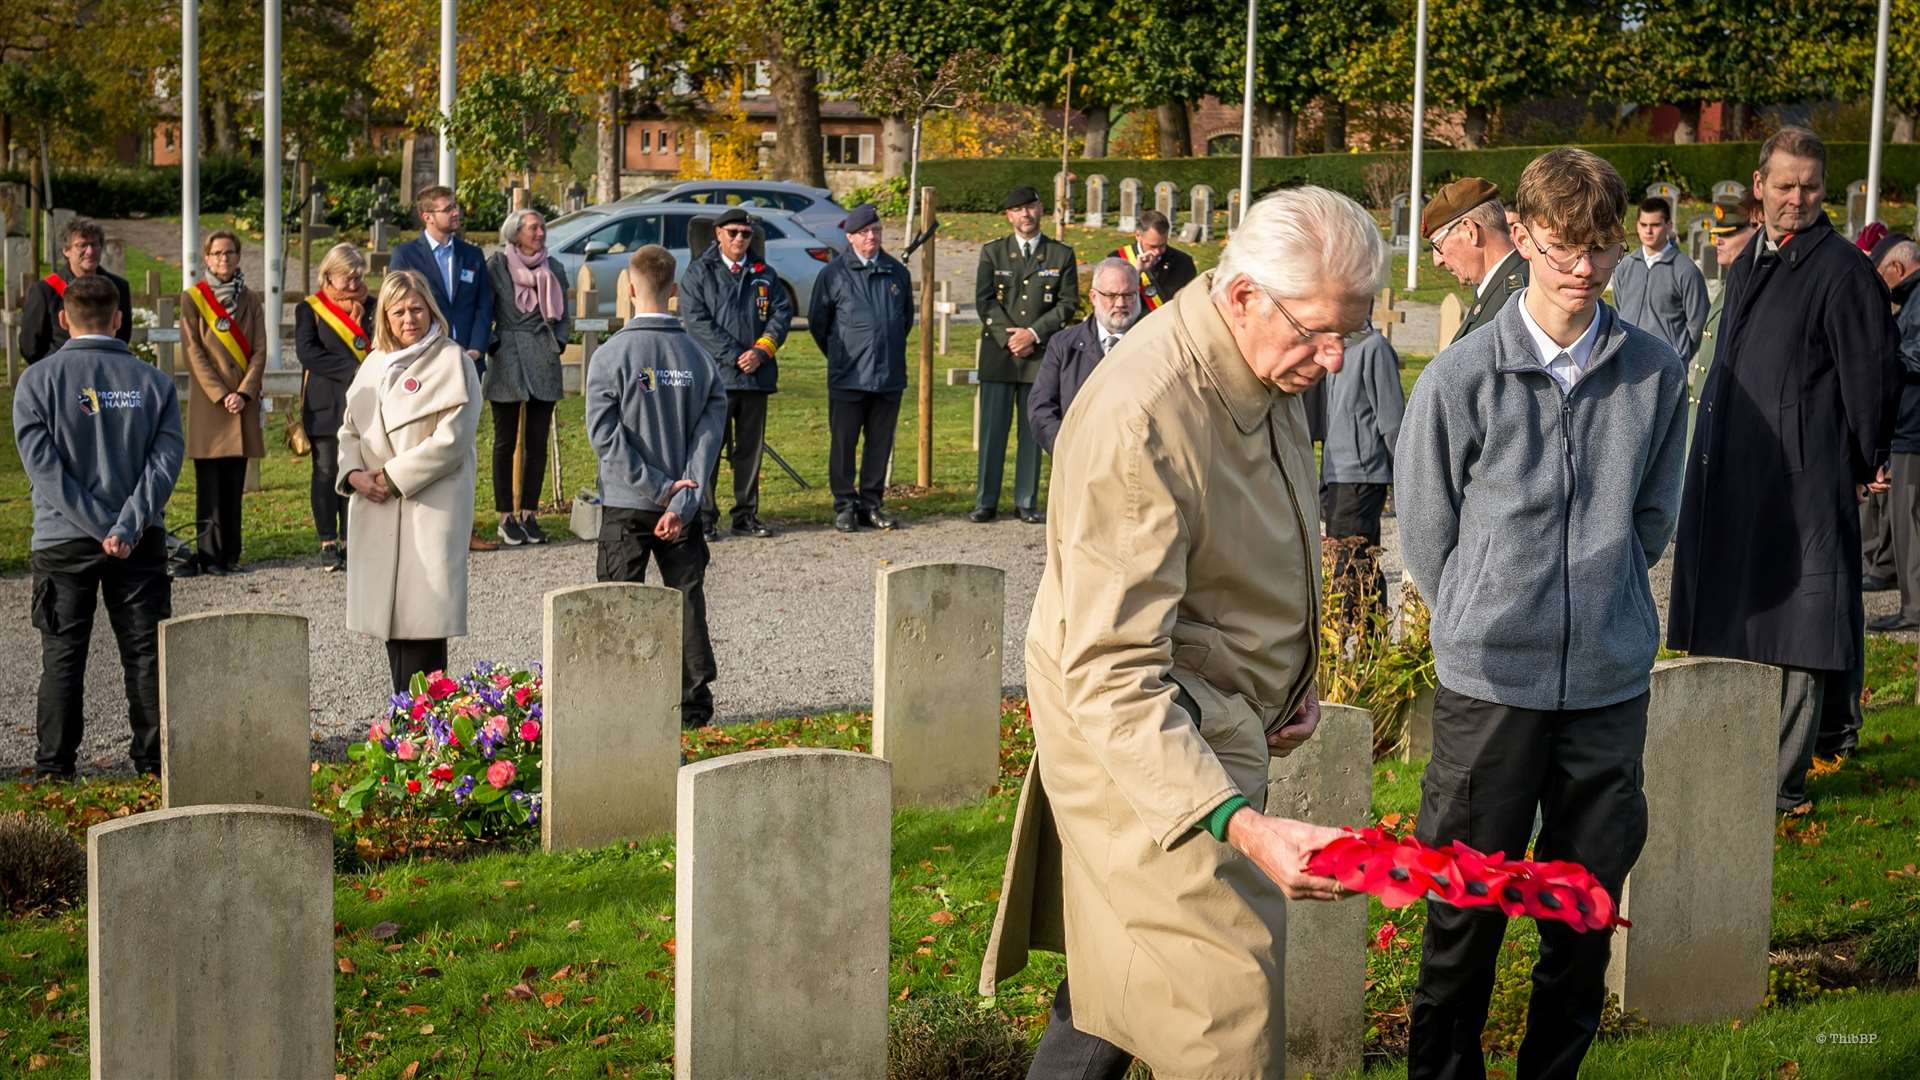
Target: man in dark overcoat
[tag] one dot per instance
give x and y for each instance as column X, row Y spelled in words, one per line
column 1796, row 416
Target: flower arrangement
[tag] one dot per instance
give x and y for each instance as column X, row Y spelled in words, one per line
column 466, row 750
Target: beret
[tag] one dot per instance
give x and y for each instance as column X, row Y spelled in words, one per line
column 1455, row 199
column 733, row 216
column 859, row 218
column 1020, row 196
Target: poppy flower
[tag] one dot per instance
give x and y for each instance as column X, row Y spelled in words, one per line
column 413, row 787
column 439, row 687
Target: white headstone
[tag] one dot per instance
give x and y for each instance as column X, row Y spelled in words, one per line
column 51, row 245
column 1671, row 194
column 210, row 944
column 937, row 638
column 1402, row 222
column 1416, row 737
column 1856, row 208
column 1201, row 215
column 782, row 885
column 1166, row 199
column 1129, row 204
column 1097, row 201
column 611, row 741
column 1233, row 211
column 1728, row 191
column 235, row 729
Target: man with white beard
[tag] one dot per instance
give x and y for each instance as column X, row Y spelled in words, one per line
column 1073, row 354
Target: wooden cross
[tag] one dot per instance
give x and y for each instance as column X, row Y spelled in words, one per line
column 1385, row 315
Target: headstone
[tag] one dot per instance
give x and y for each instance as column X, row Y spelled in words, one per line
column 1671, row 194
column 419, row 165
column 210, row 944
column 576, row 197
column 113, row 258
column 936, row 679
column 1200, row 214
column 16, row 253
column 1386, row 316
column 13, row 209
column 1416, row 736
column 1402, row 221
column 1728, row 191
column 1856, row 208
column 612, row 705
column 1234, row 211
column 1701, row 896
column 1097, row 201
column 231, row 733
column 1129, row 204
column 782, row 882
column 1063, row 193
column 50, row 245
column 1453, row 312
column 1166, row 199
column 585, row 520
column 1327, row 781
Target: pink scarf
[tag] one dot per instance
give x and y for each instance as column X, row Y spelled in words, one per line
column 534, row 286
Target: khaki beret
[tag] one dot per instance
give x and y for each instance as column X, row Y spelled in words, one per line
column 1455, row 199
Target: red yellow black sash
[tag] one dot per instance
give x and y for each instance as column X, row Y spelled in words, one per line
column 342, row 324
column 222, row 323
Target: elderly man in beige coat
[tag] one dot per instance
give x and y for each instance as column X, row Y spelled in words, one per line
column 1172, row 651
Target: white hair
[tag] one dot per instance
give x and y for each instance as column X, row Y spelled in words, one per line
column 1114, row 264
column 516, row 220
column 1906, row 251
column 1301, row 241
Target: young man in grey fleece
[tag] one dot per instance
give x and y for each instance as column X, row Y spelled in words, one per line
column 1538, row 475
column 1658, row 288
column 99, row 436
column 655, row 410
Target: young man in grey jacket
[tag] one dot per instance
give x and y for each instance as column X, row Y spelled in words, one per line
column 655, row 410
column 1538, row 477
column 98, row 432
column 1658, row 288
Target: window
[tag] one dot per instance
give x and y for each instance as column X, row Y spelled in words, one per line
column 625, row 235
column 646, row 141
column 848, row 149
column 664, row 144
column 794, row 203
column 1223, row 146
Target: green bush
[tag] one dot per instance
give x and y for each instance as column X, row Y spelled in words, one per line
column 228, row 183
column 1893, row 950
column 980, row 184
column 952, row 1037
column 41, row 868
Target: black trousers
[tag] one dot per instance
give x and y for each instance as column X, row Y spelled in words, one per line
column 626, row 543
column 329, row 506
column 407, row 657
column 747, row 428
column 1492, row 766
column 533, row 460
column 68, row 578
column 1353, row 510
column 1067, row 1053
column 850, row 419
column 218, row 484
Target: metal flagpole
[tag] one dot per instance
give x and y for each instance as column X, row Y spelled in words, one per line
column 447, row 60
column 272, row 151
column 1414, row 201
column 1879, row 115
column 1246, row 114
column 189, row 141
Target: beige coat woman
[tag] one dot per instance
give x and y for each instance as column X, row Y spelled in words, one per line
column 408, row 575
column 1185, row 554
column 212, row 431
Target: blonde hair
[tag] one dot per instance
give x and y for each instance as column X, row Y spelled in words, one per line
column 399, row 285
column 341, row 258
column 1299, row 240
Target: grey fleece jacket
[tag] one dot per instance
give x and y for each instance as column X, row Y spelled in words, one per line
column 1529, row 517
column 1667, row 299
column 655, row 410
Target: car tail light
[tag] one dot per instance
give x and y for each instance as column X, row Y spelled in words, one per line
column 822, row 254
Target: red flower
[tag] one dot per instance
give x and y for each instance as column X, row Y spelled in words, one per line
column 1385, row 935
column 442, row 773
column 1400, row 870
column 419, row 710
column 439, row 686
column 413, row 787
column 529, row 730
column 521, row 695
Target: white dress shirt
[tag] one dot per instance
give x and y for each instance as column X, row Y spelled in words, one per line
column 1566, row 364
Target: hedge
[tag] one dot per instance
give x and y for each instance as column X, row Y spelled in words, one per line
column 981, row 184
column 227, row 184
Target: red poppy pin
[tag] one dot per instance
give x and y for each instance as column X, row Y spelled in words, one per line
column 411, row 386
column 757, row 267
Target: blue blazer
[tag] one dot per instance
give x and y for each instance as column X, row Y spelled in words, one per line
column 469, row 310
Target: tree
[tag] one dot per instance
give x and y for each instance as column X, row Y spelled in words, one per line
column 1482, row 54
column 896, row 86
column 504, row 121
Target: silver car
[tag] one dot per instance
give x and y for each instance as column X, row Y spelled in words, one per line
column 813, row 207
column 602, row 238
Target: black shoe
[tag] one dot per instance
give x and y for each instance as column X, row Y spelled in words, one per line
column 876, row 519
column 190, row 568
column 54, row 776
column 1033, row 517
column 980, row 515
column 533, row 531
column 712, row 533
column 511, row 534
column 751, row 527
column 332, row 559
column 846, row 521
column 1892, row 624
column 1878, row 584
column 213, row 569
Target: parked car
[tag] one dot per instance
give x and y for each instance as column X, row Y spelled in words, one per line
column 813, row 207
column 602, row 237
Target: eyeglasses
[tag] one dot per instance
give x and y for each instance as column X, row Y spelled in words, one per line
column 1124, row 293
column 1319, row 338
column 1441, row 236
column 736, row 233
column 450, row 208
column 1564, row 258
column 223, row 253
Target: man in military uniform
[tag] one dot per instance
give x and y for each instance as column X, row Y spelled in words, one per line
column 1026, row 290
column 1163, row 268
column 1467, row 229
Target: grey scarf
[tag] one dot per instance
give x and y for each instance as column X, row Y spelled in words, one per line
column 225, row 291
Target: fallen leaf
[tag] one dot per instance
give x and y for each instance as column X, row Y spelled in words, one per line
column 573, row 927
column 520, row 992
column 346, row 965
column 671, row 946
column 426, row 1029
column 383, row 931
column 509, row 884
column 428, row 973
column 38, row 1062
column 904, row 991
column 940, row 918
column 414, row 1010
column 408, row 1073
column 601, row 1040
column 552, row 998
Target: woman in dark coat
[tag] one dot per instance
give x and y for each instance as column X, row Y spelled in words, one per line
column 330, row 338
column 523, row 373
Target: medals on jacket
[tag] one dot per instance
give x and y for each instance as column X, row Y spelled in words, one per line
column 1149, row 292
column 342, row 324
column 761, row 301
column 221, row 320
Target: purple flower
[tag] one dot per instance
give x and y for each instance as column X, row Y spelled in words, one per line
column 463, row 789
column 401, row 703
column 533, row 711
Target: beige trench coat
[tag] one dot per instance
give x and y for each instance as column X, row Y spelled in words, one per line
column 212, row 431
column 1186, row 554
column 407, row 562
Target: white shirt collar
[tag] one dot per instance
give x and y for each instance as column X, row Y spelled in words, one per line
column 442, row 245
column 1655, row 258
column 92, row 337
column 1545, row 348
column 731, row 265
column 1480, row 290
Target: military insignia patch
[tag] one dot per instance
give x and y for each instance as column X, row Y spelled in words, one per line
column 1514, row 282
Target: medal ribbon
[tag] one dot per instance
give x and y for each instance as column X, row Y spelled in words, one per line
column 212, row 311
column 341, row 322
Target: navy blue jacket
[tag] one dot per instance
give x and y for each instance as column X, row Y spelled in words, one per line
column 860, row 317
column 1906, row 432
column 725, row 315
column 469, row 310
column 1071, row 356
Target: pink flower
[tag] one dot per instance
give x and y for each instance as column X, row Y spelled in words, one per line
column 497, row 726
column 521, row 695
column 379, row 732
column 529, row 730
column 440, row 686
column 413, row 787
column 405, row 750
column 500, row 773
column 501, row 680
column 419, row 708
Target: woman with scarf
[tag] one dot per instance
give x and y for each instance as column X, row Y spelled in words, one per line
column 331, row 339
column 523, row 376
column 223, row 332
column 406, row 459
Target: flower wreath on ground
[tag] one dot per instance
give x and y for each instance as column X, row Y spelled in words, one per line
column 465, row 750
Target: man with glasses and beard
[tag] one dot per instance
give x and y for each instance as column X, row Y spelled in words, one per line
column 1538, row 477
column 1073, row 354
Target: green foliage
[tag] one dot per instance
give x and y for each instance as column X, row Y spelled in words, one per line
column 1513, row 991
column 41, row 868
column 954, row 1037
column 888, row 196
column 1893, row 949
column 503, row 122
column 1796, row 984
column 1362, row 662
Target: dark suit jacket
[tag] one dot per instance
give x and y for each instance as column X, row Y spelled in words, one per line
column 330, row 367
column 40, row 332
column 1174, row 271
column 1071, row 357
column 1509, row 277
column 469, row 310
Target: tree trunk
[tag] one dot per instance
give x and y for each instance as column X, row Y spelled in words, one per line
column 6, row 140
column 1742, row 116
column 1176, row 134
column 1687, row 131
column 1334, row 119
column 222, row 125
column 1474, row 127
column 1099, row 126
column 1902, row 127
column 1273, row 130
column 797, row 152
column 607, row 163
column 896, row 144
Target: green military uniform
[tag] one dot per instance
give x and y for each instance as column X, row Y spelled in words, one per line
column 1039, row 291
column 1507, row 279
column 1703, row 358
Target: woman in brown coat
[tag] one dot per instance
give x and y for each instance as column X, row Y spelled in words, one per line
column 223, row 332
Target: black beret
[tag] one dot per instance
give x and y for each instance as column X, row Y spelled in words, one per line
column 1886, row 243
column 733, row 216
column 1020, row 196
column 859, row 218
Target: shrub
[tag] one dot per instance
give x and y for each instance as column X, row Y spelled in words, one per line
column 463, row 750
column 888, row 196
column 41, row 868
column 1893, row 950
column 953, row 1037
column 1362, row 662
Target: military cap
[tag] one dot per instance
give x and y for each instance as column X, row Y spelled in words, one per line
column 859, row 218
column 1455, row 199
column 733, row 216
column 1885, row 244
column 1732, row 215
column 1020, row 196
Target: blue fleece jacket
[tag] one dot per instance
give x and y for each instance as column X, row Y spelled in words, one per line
column 655, row 411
